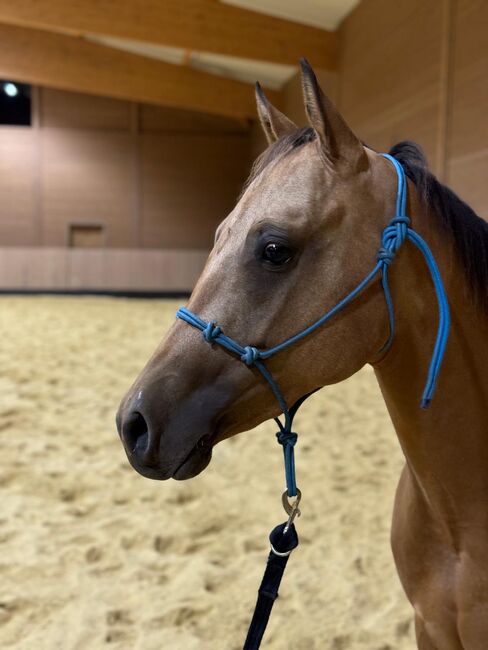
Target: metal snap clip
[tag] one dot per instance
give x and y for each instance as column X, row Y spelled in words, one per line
column 291, row 509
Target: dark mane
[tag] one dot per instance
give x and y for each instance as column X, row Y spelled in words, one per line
column 278, row 149
column 469, row 232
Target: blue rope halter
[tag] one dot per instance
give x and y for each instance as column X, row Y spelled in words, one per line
column 393, row 237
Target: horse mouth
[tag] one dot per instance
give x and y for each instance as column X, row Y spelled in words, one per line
column 193, row 464
column 196, row 461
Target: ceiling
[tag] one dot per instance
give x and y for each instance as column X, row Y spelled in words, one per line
column 272, row 75
column 325, row 14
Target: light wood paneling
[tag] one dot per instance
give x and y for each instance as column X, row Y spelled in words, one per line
column 18, row 186
column 189, row 184
column 79, row 111
column 130, row 270
column 467, row 147
column 164, row 119
column 204, row 25
column 391, row 72
column 26, row 268
column 88, row 162
column 86, row 176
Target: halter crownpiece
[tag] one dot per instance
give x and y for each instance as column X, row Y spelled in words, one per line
column 396, row 233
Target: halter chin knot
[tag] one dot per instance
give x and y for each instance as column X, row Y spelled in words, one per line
column 386, row 256
column 396, row 232
column 250, row 356
column 211, row 332
column 287, row 438
column 394, row 235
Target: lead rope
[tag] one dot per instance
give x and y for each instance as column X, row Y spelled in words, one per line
column 284, row 538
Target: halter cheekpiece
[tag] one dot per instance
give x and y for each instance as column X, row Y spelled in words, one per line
column 283, row 538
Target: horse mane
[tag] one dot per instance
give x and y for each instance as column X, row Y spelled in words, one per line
column 468, row 232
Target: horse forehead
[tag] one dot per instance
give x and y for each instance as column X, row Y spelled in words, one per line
column 288, row 185
column 296, row 171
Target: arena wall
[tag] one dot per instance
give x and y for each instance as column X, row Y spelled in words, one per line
column 417, row 70
column 161, row 179
column 157, row 181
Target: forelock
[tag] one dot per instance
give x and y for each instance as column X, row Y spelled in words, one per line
column 279, row 149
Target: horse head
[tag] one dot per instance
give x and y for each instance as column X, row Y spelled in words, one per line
column 303, row 233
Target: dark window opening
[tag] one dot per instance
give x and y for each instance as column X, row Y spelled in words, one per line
column 86, row 235
column 15, row 103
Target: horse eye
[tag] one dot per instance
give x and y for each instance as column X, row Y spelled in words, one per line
column 277, row 254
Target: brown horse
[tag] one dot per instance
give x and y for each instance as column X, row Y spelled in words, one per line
column 304, row 232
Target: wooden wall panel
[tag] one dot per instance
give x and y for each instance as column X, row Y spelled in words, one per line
column 391, row 73
column 87, row 176
column 32, row 268
column 165, row 119
column 59, row 108
column 129, row 269
column 467, row 146
column 152, row 177
column 18, row 182
column 154, row 270
column 189, row 184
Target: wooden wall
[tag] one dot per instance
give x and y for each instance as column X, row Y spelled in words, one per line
column 19, row 200
column 162, row 179
column 154, row 178
column 418, row 70
column 467, row 124
column 391, row 84
column 115, row 269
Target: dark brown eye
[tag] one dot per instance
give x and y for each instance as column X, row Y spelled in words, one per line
column 277, row 254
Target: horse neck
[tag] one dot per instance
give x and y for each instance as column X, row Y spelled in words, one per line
column 446, row 446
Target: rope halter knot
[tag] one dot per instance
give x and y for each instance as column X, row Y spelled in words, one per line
column 211, row 332
column 394, row 235
column 285, row 437
column 250, row 355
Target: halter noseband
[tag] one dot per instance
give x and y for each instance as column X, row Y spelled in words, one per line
column 393, row 237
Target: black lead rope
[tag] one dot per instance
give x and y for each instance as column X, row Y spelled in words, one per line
column 284, row 540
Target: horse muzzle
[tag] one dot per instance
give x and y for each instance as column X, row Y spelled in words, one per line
column 147, row 455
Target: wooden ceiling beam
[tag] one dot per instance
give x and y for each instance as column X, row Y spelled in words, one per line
column 71, row 63
column 199, row 25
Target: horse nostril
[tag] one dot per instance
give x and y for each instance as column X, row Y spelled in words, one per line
column 135, row 432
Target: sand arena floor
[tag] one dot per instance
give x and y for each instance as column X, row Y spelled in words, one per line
column 94, row 556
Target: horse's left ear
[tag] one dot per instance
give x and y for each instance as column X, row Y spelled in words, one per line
column 274, row 123
column 338, row 141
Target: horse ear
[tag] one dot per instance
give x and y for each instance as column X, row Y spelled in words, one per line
column 338, row 141
column 274, row 123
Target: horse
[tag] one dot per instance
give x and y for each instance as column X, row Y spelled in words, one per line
column 305, row 230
